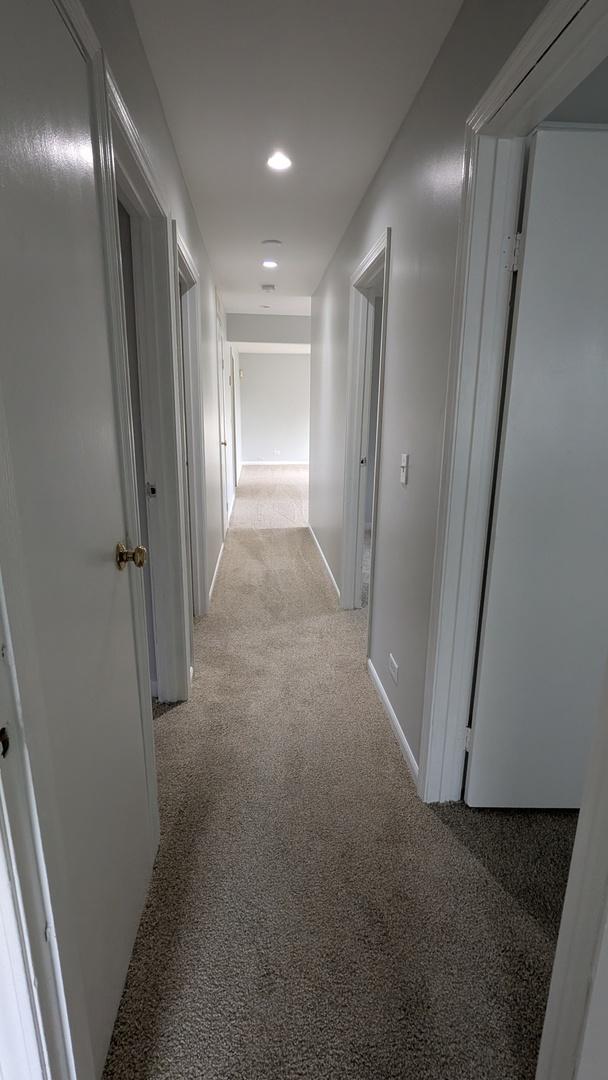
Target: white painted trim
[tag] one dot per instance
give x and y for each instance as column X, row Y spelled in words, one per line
column 22, row 1050
column 490, row 191
column 564, row 44
column 220, row 343
column 404, row 746
column 474, row 399
column 359, row 345
column 215, row 572
column 122, row 390
column 48, row 945
column 583, row 920
column 325, row 562
column 281, row 462
column 195, row 423
column 155, row 269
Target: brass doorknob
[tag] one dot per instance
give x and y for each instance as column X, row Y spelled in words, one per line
column 223, row 442
column 137, row 556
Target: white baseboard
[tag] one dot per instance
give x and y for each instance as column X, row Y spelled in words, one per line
column 325, row 562
column 217, row 566
column 275, row 462
column 406, row 750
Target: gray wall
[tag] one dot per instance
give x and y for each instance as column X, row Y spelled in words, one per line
column 116, row 29
column 275, row 406
column 417, row 192
column 277, row 329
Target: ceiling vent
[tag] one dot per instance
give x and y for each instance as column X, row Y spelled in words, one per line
column 268, row 287
column 272, row 242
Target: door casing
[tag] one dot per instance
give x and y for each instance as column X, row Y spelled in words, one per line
column 565, row 43
column 25, row 786
column 157, row 320
column 360, row 342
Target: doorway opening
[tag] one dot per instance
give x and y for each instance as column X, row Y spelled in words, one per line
column 522, row 629
column 369, row 294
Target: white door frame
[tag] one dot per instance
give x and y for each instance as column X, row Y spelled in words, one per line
column 53, row 964
column 233, row 377
column 561, row 48
column 191, row 307
column 537, row 76
column 359, row 380
column 221, row 420
column 156, row 289
column 22, row 1043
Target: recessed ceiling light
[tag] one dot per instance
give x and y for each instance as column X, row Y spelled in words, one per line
column 270, row 264
column 279, row 161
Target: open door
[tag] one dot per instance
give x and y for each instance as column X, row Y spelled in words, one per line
column 77, row 621
column 544, row 630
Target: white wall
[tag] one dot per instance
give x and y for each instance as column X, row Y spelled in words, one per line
column 417, row 192
column 115, row 26
column 275, row 406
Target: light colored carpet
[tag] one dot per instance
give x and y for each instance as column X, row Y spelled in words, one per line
column 271, row 497
column 308, row 917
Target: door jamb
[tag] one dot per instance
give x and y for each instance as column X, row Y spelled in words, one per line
column 233, row 408
column 53, row 963
column 194, row 424
column 157, row 333
column 221, row 420
column 561, row 48
column 358, row 347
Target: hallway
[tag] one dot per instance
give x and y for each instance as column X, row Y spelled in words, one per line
column 308, row 915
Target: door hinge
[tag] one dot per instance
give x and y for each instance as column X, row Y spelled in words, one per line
column 150, row 490
column 468, row 738
column 512, row 252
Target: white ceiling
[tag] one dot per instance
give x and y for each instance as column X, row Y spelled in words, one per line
column 327, row 81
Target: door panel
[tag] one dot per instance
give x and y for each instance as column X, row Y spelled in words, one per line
column 545, row 626
column 56, row 382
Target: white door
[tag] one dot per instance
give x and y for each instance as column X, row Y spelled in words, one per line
column 544, row 634
column 57, row 392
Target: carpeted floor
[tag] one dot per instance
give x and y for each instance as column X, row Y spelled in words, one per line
column 271, row 497
column 309, row 917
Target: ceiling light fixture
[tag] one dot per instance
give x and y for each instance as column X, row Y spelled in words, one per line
column 279, row 161
column 277, row 242
column 267, row 288
column 270, row 264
